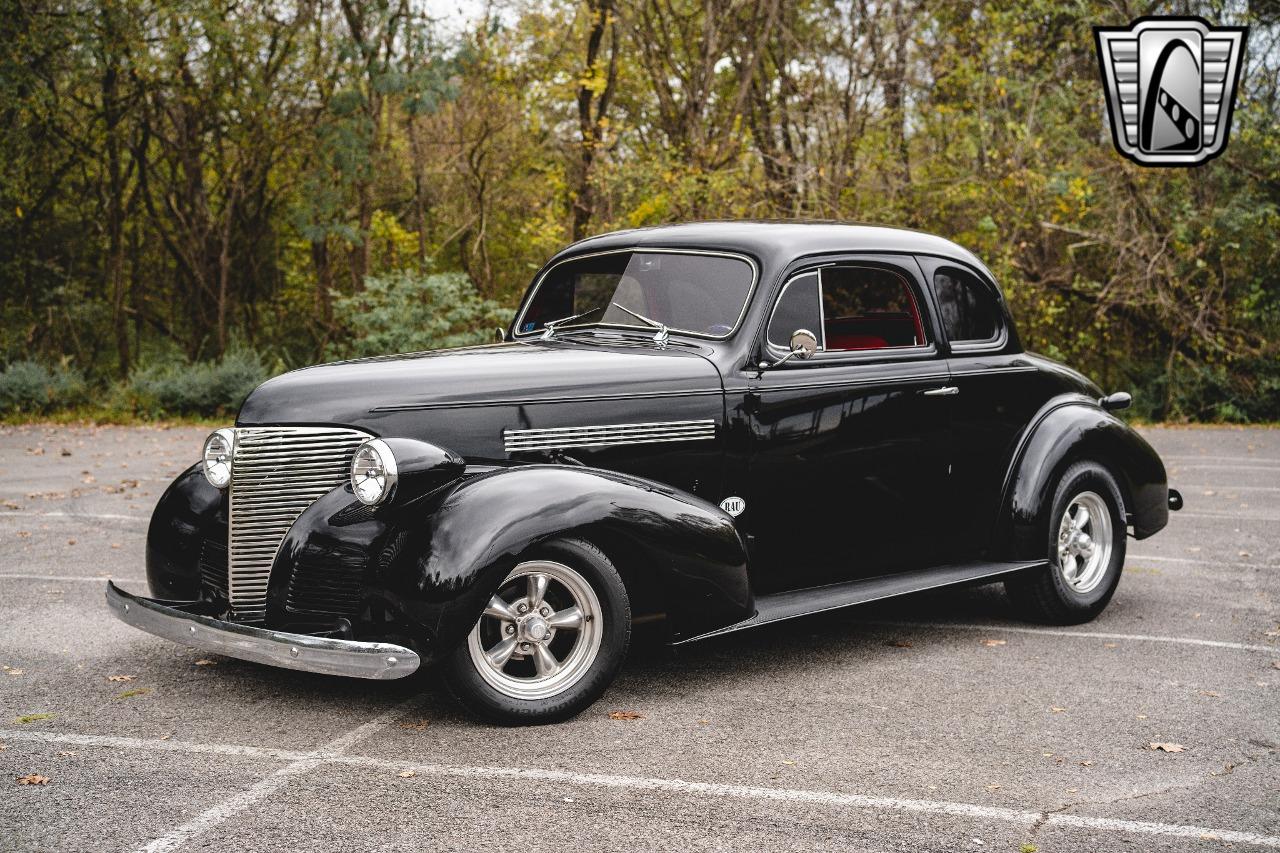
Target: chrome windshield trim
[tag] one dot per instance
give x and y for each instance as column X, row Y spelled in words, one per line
column 379, row 661
column 652, row 250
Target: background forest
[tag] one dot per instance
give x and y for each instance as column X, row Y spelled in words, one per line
column 195, row 194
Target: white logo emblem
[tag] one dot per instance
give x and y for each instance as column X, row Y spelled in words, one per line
column 1171, row 86
column 733, row 505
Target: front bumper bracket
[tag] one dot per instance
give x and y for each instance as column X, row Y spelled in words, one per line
column 168, row 619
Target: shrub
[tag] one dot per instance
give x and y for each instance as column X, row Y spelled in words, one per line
column 32, row 388
column 203, row 388
column 408, row 311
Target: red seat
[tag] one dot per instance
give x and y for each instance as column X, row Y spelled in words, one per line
column 852, row 342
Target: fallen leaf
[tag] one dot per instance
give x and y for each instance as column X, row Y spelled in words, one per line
column 995, row 643
column 1245, row 554
column 121, row 677
column 12, row 505
column 66, row 753
column 206, row 662
column 33, row 779
column 24, row 533
column 625, row 715
column 15, row 671
column 1086, row 763
column 788, row 762
column 1057, row 710
column 115, row 544
column 407, row 774
column 1212, row 693
column 1166, row 747
column 32, row 718
column 64, row 452
column 129, row 694
column 1110, row 645
column 994, row 787
column 900, row 644
column 418, row 726
column 165, row 737
column 703, row 722
column 71, row 541
column 1141, row 716
column 1275, row 664
column 89, row 479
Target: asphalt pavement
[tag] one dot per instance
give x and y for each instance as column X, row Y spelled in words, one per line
column 938, row 722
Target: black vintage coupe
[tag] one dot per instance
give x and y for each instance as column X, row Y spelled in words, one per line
column 715, row 425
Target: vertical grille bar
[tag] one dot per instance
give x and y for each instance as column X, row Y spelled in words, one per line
column 276, row 473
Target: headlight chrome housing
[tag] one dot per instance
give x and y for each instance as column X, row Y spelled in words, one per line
column 219, row 448
column 373, row 472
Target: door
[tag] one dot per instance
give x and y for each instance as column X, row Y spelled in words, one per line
column 999, row 390
column 849, row 449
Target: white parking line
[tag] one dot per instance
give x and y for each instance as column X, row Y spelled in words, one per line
column 70, row 578
column 1194, row 457
column 80, row 516
column 1204, row 561
column 1223, row 516
column 1081, row 635
column 264, row 788
column 303, row 761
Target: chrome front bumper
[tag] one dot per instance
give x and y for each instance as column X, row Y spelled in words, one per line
column 381, row 661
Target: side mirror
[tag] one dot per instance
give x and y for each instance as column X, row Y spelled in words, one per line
column 804, row 344
column 500, row 334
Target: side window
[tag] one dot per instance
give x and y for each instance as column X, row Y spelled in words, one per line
column 868, row 308
column 969, row 309
column 797, row 308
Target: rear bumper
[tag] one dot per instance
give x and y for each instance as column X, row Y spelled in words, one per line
column 381, row 661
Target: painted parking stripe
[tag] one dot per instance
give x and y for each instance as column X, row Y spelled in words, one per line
column 1223, row 516
column 303, row 761
column 1081, row 635
column 73, row 579
column 1207, row 562
column 266, row 787
column 78, row 516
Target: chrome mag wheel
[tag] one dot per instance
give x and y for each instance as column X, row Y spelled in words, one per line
column 539, row 634
column 1085, row 542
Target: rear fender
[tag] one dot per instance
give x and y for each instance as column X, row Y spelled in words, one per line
column 1066, row 431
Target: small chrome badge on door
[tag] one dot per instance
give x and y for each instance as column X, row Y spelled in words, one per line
column 733, row 505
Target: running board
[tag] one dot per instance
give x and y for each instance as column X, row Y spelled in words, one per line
column 803, row 602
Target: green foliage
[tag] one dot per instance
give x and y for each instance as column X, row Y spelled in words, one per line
column 405, row 311
column 177, row 388
column 27, row 387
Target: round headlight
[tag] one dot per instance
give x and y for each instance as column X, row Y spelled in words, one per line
column 218, row 449
column 373, row 472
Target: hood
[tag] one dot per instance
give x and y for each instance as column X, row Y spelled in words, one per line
column 365, row 392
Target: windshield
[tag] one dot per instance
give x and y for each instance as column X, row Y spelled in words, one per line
column 698, row 294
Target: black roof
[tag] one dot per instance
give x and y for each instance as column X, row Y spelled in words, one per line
column 777, row 243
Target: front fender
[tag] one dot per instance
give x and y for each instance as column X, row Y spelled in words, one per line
column 1067, row 431
column 190, row 517
column 685, row 551
column 428, row 568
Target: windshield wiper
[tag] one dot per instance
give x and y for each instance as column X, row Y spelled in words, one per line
column 663, row 334
column 549, row 329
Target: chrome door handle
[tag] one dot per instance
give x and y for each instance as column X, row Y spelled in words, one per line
column 944, row 391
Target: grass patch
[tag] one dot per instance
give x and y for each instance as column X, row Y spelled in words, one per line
column 32, row 718
column 138, row 691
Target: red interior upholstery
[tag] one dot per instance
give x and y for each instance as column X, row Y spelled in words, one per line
column 872, row 331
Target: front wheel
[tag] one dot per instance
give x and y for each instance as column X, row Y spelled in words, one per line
column 549, row 642
column 1086, row 550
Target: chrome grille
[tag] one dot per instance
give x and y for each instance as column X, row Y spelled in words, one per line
column 276, row 473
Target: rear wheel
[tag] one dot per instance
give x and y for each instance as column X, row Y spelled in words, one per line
column 1086, row 544
column 550, row 640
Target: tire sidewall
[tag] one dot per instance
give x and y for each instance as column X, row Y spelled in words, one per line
column 483, row 699
column 1087, row 477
